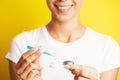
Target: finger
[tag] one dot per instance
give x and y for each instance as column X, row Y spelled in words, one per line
column 39, row 49
column 36, row 61
column 75, row 69
column 28, row 53
column 29, row 68
column 90, row 73
column 38, row 77
column 25, row 55
column 85, row 71
column 32, row 74
column 27, row 61
column 72, row 66
column 76, row 78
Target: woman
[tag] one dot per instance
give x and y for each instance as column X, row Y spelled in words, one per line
column 95, row 56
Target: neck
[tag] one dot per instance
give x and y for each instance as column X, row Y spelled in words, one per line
column 67, row 26
column 65, row 31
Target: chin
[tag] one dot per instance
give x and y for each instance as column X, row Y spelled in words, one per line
column 63, row 18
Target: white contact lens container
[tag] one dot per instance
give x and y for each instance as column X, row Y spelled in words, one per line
column 57, row 63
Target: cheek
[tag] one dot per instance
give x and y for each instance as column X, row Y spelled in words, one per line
column 79, row 3
column 50, row 4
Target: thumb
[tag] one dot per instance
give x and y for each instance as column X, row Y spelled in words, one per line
column 37, row 60
column 75, row 69
column 72, row 67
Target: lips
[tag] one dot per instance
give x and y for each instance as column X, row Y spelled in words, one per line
column 63, row 8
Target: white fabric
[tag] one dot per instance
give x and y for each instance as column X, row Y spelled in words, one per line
column 93, row 49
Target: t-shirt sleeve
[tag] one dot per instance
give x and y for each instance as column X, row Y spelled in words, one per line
column 112, row 55
column 16, row 48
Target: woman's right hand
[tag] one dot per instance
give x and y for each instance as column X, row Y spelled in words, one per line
column 28, row 67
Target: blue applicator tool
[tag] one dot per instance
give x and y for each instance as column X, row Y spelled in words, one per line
column 44, row 52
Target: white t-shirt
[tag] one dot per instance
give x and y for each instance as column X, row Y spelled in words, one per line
column 93, row 49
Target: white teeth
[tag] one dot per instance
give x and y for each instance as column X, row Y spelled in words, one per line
column 64, row 7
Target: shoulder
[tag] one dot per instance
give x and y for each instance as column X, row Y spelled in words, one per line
column 102, row 38
column 104, row 42
column 31, row 34
column 28, row 37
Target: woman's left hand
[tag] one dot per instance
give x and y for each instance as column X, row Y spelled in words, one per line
column 83, row 72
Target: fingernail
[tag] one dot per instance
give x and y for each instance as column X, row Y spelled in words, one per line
column 67, row 66
column 33, row 49
column 38, row 50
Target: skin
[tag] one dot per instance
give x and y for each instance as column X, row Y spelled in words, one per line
column 83, row 72
column 65, row 27
column 27, row 68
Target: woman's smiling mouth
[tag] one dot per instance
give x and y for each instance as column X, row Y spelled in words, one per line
column 63, row 8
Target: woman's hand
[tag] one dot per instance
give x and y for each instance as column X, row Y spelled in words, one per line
column 83, row 72
column 28, row 67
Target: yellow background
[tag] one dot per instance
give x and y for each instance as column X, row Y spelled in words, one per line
column 20, row 15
